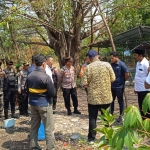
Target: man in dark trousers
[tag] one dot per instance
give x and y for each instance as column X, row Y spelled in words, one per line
column 22, row 90
column 68, row 84
column 10, row 88
column 2, row 76
column 117, row 87
column 41, row 89
column 140, row 77
column 97, row 78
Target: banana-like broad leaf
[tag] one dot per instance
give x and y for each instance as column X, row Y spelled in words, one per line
column 146, row 103
column 128, row 140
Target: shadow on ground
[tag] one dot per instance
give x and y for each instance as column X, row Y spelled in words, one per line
column 17, row 145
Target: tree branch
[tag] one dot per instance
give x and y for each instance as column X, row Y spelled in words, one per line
column 36, row 43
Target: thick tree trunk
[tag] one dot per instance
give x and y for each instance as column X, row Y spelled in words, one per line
column 73, row 51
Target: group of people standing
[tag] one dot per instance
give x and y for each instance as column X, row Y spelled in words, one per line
column 105, row 81
column 9, row 80
column 41, row 88
column 38, row 84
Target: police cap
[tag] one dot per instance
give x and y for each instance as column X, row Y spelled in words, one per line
column 9, row 62
column 68, row 59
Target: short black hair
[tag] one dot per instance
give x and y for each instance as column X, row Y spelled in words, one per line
column 39, row 59
column 115, row 54
column 33, row 58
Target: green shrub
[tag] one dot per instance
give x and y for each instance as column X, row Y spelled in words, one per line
column 130, row 135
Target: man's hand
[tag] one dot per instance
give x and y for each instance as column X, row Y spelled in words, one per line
column 135, row 92
column 19, row 92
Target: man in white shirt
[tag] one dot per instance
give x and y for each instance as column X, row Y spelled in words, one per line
column 48, row 68
column 140, row 77
column 147, row 82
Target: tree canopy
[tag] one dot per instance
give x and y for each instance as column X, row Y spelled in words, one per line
column 67, row 26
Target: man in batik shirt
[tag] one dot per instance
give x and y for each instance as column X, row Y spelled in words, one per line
column 97, row 78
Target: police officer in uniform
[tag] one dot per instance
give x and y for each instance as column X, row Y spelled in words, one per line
column 2, row 76
column 67, row 79
column 22, row 90
column 9, row 89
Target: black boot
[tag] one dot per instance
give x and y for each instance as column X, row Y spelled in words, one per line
column 69, row 112
column 76, row 111
column 26, row 113
column 6, row 115
column 54, row 106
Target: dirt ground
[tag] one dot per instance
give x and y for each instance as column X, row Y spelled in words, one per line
column 16, row 138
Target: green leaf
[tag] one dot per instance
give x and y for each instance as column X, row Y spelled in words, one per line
column 110, row 133
column 135, row 137
column 143, row 147
column 100, row 130
column 128, row 140
column 146, row 124
column 127, row 119
column 114, row 140
column 120, row 142
column 146, row 104
column 133, row 119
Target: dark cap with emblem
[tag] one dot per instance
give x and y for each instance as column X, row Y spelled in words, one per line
column 92, row 53
column 39, row 59
column 68, row 59
column 9, row 62
column 139, row 51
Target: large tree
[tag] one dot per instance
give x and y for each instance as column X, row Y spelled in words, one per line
column 63, row 25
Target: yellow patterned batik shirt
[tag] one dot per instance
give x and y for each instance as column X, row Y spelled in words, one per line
column 98, row 77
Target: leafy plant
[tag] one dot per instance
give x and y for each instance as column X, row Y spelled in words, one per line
column 130, row 135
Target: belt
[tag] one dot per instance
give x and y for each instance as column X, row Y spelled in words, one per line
column 37, row 91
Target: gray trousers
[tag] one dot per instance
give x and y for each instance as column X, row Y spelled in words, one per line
column 46, row 115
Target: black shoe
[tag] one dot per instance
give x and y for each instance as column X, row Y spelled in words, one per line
column 22, row 114
column 6, row 115
column 54, row 107
column 14, row 116
column 77, row 112
column 69, row 112
column 27, row 114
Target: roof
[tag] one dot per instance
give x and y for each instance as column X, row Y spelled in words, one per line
column 133, row 37
column 144, row 45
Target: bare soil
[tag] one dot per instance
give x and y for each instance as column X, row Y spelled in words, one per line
column 16, row 138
